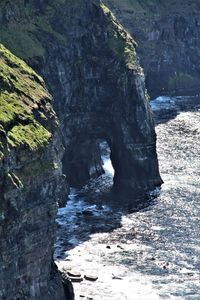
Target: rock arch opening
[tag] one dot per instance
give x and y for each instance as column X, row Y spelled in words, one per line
column 87, row 160
column 99, row 92
column 106, row 158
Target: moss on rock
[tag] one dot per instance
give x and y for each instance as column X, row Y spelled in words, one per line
column 120, row 42
column 22, row 92
column 21, row 37
column 183, row 80
column 32, row 135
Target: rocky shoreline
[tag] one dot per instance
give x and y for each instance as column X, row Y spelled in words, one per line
column 50, row 139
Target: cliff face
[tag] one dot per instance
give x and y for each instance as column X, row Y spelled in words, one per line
column 168, row 37
column 100, row 94
column 89, row 63
column 30, row 182
column 90, row 66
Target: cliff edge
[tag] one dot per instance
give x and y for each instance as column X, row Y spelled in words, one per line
column 30, row 182
column 168, row 38
column 89, row 63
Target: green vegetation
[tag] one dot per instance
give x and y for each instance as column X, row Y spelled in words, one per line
column 21, row 40
column 35, row 169
column 123, row 50
column 21, row 91
column 16, row 76
column 183, row 80
column 120, row 41
column 105, row 8
column 20, row 35
column 32, row 135
column 11, row 108
column 22, row 115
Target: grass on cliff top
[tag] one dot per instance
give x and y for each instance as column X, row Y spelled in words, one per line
column 21, row 91
column 20, row 33
column 120, row 42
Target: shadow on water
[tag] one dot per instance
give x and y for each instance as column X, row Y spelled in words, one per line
column 96, row 208
column 153, row 240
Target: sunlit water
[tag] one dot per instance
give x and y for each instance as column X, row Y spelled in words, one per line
column 152, row 253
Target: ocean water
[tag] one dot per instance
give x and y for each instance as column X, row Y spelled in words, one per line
column 151, row 252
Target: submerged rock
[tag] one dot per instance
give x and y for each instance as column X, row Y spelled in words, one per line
column 87, row 212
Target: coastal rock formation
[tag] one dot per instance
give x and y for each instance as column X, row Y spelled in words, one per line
column 100, row 95
column 90, row 66
column 168, row 37
column 30, row 182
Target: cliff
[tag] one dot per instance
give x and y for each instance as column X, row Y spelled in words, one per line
column 30, row 181
column 90, row 66
column 168, row 38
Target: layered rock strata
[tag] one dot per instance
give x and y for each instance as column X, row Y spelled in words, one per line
column 168, row 37
column 90, row 65
column 91, row 68
column 30, row 182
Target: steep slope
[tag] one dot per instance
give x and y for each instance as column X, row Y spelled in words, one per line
column 91, row 68
column 168, row 37
column 31, row 181
column 89, row 63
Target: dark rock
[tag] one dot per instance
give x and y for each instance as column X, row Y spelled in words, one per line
column 120, row 247
column 169, row 35
column 153, row 258
column 73, row 273
column 78, row 213
column 30, row 182
column 108, row 247
column 164, row 267
column 91, row 68
column 116, row 277
column 75, row 279
column 90, row 277
column 87, row 213
column 168, row 42
column 68, row 288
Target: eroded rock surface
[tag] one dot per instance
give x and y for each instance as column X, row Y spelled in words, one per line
column 100, row 94
column 30, row 182
column 168, row 37
column 91, row 68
